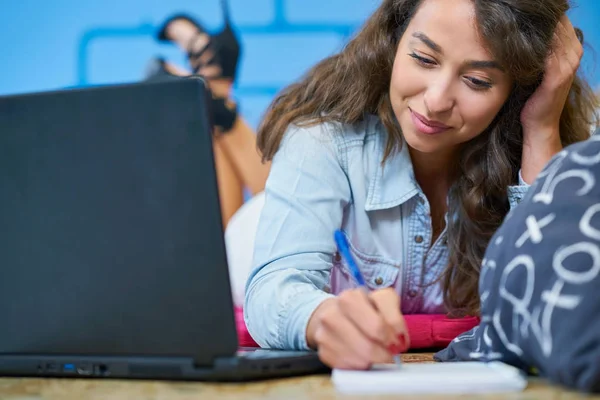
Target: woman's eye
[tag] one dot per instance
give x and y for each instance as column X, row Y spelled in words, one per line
column 422, row 60
column 478, row 84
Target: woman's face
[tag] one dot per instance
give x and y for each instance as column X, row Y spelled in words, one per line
column 446, row 88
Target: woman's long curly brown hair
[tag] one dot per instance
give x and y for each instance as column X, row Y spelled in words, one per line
column 355, row 82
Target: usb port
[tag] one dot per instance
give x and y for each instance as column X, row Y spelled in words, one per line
column 69, row 368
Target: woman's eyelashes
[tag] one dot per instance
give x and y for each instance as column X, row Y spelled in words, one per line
column 478, row 84
column 474, row 83
column 422, row 60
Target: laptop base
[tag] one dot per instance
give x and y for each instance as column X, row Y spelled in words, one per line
column 248, row 365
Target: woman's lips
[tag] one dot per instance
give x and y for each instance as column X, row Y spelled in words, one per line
column 426, row 126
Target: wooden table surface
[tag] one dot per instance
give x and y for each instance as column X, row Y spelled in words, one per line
column 316, row 387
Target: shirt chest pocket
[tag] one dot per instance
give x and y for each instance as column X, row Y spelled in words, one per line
column 378, row 272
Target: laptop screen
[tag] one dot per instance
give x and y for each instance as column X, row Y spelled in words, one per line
column 111, row 239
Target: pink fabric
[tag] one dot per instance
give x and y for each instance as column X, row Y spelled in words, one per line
column 425, row 330
column 436, row 330
column 244, row 338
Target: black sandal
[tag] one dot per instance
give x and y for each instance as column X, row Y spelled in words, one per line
column 227, row 46
column 193, row 54
column 161, row 35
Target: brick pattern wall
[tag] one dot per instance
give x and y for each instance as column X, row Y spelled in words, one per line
column 65, row 43
column 281, row 40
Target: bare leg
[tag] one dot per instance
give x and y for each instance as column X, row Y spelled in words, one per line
column 230, row 188
column 239, row 144
column 236, row 154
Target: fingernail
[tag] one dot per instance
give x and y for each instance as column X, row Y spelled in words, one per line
column 395, row 349
column 403, row 345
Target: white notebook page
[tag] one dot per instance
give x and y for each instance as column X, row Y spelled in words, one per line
column 450, row 377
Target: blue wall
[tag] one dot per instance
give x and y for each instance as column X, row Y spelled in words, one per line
column 60, row 43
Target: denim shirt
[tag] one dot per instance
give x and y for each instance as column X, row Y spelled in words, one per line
column 327, row 177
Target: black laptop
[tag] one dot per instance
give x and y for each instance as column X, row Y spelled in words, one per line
column 112, row 258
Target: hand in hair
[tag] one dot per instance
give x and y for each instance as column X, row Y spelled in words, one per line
column 541, row 114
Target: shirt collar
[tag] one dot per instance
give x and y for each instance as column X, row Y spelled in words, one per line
column 393, row 182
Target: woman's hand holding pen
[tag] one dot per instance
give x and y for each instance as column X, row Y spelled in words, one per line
column 358, row 329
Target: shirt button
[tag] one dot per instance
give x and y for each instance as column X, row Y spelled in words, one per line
column 412, row 293
column 378, row 280
column 337, row 257
column 419, row 239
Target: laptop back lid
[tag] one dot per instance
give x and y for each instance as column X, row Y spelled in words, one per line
column 111, row 240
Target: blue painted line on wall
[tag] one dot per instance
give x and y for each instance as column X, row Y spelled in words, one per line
column 103, row 32
column 278, row 27
column 257, row 90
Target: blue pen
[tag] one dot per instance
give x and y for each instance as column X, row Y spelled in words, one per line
column 344, row 250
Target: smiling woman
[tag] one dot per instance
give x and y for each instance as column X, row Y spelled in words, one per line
column 460, row 87
column 416, row 140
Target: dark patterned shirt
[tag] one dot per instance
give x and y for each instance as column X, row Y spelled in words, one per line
column 540, row 278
